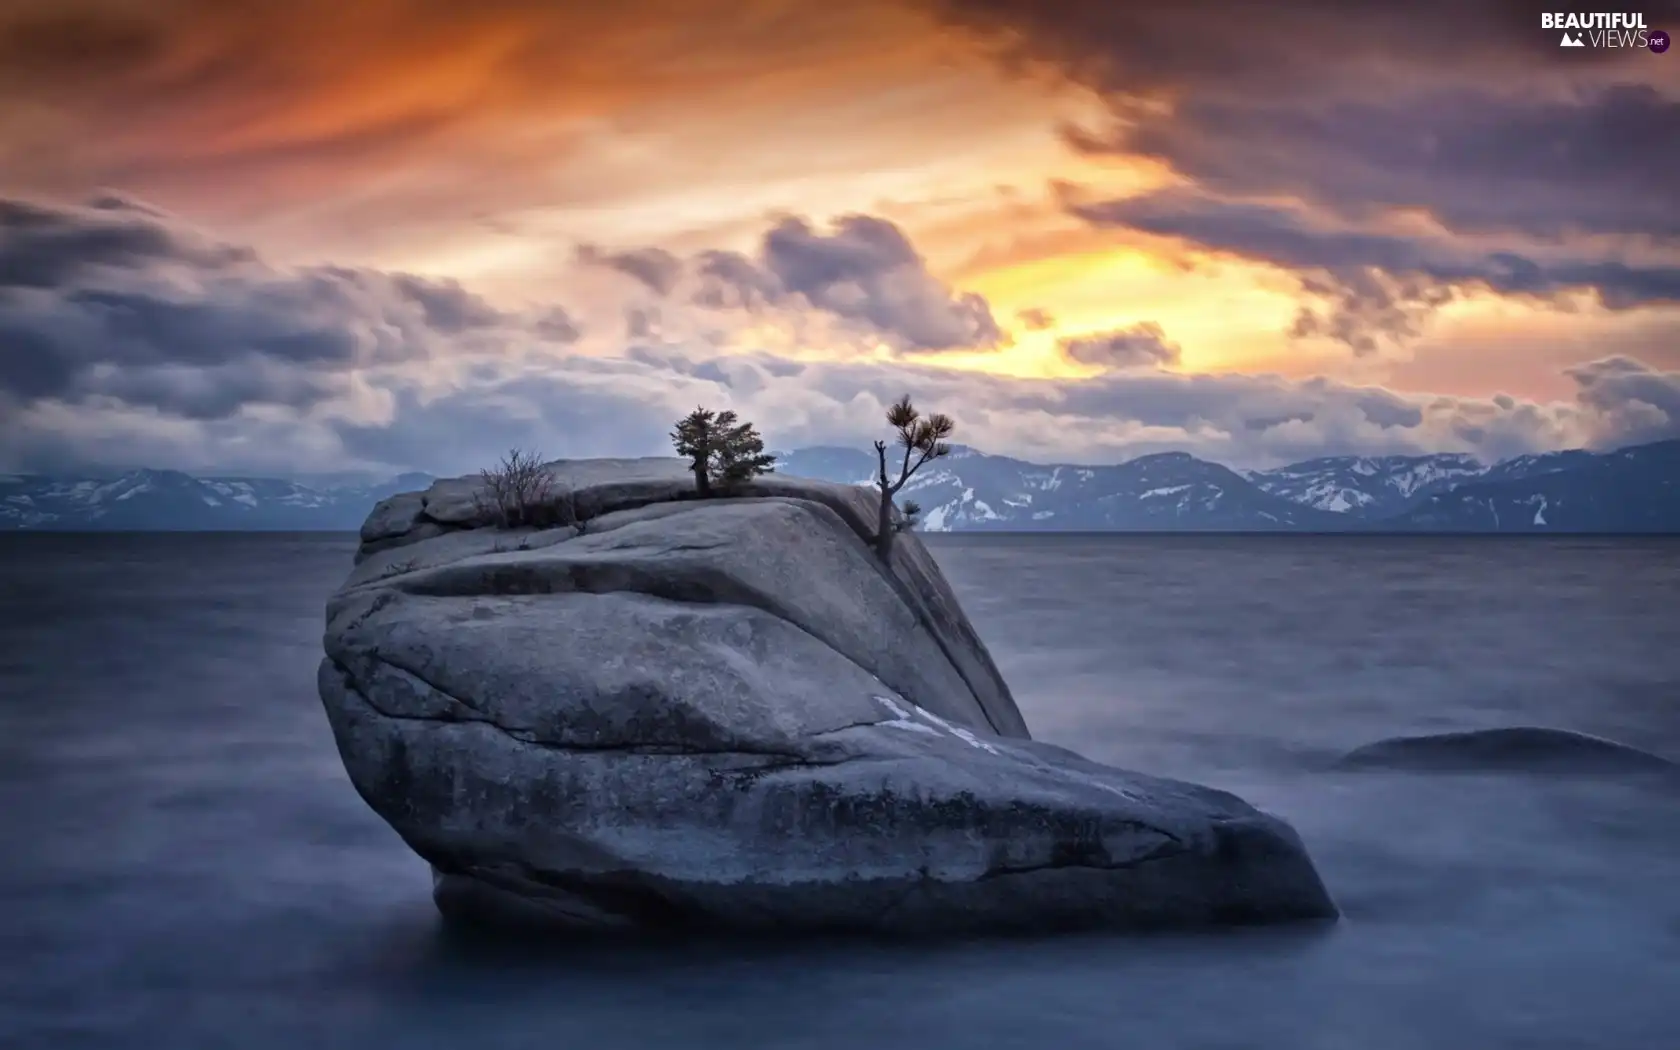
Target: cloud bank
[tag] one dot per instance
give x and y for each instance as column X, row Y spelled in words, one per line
column 147, row 341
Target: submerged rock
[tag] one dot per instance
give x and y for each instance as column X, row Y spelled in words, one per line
column 1512, row 748
column 728, row 713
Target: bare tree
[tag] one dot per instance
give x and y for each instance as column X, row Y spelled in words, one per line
column 519, row 491
column 722, row 451
column 922, row 438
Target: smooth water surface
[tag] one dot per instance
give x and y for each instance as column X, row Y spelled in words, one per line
column 186, row 865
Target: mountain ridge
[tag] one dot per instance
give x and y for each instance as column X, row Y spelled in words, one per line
column 148, row 499
column 1634, row 489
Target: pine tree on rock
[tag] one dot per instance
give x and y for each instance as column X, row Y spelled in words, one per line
column 693, row 438
column 922, row 438
column 740, row 454
column 722, row 451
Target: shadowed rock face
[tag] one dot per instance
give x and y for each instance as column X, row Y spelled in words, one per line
column 729, row 714
column 1512, row 748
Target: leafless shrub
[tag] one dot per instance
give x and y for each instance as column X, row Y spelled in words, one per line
column 519, row 492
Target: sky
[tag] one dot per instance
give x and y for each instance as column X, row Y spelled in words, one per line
column 253, row 236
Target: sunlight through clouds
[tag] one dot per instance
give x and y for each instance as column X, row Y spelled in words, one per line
column 994, row 194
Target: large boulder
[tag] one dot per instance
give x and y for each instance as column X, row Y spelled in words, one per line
column 729, row 713
column 1528, row 749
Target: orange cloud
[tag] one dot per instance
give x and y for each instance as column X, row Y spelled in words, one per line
column 245, row 84
column 434, row 134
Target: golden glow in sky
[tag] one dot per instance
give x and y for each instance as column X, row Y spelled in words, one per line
column 1434, row 205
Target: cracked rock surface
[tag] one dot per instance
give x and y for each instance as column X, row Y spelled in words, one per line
column 729, row 714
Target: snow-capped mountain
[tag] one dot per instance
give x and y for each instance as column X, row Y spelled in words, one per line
column 1520, row 467
column 1634, row 490
column 970, row 490
column 1368, row 486
column 1630, row 490
column 171, row 500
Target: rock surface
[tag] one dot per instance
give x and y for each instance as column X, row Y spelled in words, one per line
column 1510, row 748
column 727, row 713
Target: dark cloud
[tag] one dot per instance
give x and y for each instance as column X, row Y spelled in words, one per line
column 731, row 281
column 1593, row 161
column 1232, row 48
column 1140, row 346
column 447, row 306
column 860, row 248
column 864, row 271
column 117, row 300
column 656, row 268
column 1374, row 284
column 211, row 393
column 42, row 246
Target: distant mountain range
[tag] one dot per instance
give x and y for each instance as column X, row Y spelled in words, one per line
column 1174, row 490
column 1634, row 490
column 168, row 500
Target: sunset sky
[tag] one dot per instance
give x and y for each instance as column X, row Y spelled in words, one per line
column 380, row 235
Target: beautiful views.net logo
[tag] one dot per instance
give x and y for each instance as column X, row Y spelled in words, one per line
column 1605, row 29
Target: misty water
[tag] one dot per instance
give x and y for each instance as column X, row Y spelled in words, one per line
column 185, row 864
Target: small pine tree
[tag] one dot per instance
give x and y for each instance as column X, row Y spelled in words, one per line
column 722, row 451
column 694, row 438
column 740, row 454
column 922, row 438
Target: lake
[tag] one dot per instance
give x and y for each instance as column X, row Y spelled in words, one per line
column 186, row 864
